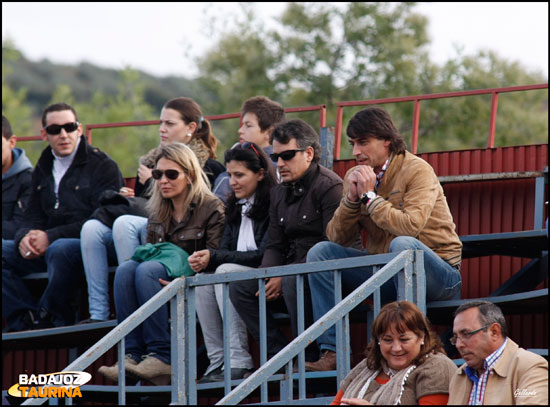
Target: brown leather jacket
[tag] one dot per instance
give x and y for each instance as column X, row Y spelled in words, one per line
column 299, row 214
column 202, row 227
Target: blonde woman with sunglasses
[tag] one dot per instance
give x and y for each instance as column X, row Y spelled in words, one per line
column 182, row 211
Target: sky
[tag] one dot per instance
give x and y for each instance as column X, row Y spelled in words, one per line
column 165, row 38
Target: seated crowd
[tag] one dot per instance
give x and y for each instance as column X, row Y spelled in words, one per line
column 272, row 204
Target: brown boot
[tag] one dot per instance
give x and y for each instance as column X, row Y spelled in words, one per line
column 111, row 372
column 153, row 370
column 327, row 362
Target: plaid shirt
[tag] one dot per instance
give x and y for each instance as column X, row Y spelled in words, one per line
column 480, row 382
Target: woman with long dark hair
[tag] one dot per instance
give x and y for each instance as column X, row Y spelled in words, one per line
column 251, row 178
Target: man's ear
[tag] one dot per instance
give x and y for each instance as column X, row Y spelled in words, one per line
column 44, row 135
column 12, row 141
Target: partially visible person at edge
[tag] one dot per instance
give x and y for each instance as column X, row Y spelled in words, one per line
column 405, row 363
column 243, row 243
column 397, row 199
column 259, row 116
column 183, row 211
column 67, row 182
column 16, row 181
column 299, row 211
column 181, row 120
column 497, row 371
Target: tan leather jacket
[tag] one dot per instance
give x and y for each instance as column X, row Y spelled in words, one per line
column 518, row 377
column 410, row 202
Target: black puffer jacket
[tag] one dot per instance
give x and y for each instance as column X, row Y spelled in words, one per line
column 227, row 252
column 90, row 173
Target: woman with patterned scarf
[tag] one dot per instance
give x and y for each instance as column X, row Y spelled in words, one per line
column 405, row 363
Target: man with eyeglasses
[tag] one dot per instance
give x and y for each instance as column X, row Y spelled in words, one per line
column 299, row 211
column 396, row 198
column 68, row 180
column 497, row 371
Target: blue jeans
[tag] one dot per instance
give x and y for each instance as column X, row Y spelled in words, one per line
column 443, row 282
column 98, row 252
column 129, row 232
column 135, row 283
column 63, row 263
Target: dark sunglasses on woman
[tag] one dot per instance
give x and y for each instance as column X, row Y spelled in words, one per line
column 170, row 174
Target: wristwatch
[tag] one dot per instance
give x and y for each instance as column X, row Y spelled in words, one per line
column 367, row 196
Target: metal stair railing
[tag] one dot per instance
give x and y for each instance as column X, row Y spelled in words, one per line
column 411, row 287
column 181, row 294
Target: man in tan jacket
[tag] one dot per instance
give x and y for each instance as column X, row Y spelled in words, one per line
column 497, row 371
column 397, row 199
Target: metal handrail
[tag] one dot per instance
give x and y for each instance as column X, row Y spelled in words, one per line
column 416, row 113
column 180, row 293
column 89, row 127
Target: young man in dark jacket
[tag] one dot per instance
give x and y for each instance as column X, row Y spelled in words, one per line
column 300, row 209
column 66, row 185
column 16, row 181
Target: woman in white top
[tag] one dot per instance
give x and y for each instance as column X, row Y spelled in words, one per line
column 242, row 246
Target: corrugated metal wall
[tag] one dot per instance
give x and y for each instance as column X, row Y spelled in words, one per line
column 491, row 207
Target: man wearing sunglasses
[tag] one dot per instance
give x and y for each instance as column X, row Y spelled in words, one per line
column 395, row 197
column 497, row 371
column 300, row 209
column 67, row 182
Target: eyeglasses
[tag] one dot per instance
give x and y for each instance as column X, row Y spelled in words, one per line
column 170, row 174
column 54, row 129
column 464, row 336
column 285, row 155
column 249, row 145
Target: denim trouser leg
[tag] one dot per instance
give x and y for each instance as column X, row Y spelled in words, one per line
column 209, row 300
column 16, row 297
column 98, row 251
column 443, row 282
column 129, row 232
column 65, row 275
column 322, row 285
column 135, row 284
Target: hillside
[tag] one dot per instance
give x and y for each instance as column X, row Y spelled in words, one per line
column 42, row 77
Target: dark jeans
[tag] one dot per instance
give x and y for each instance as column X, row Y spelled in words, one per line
column 135, row 284
column 63, row 263
column 243, row 297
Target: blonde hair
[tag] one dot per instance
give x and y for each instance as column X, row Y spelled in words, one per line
column 161, row 209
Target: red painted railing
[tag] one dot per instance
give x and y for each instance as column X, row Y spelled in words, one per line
column 416, row 113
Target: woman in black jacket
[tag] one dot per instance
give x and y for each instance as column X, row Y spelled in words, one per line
column 243, row 242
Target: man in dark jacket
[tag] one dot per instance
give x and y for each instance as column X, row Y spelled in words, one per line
column 16, row 181
column 300, row 209
column 66, row 184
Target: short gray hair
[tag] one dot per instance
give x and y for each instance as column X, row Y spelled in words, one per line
column 489, row 313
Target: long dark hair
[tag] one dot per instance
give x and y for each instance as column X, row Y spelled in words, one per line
column 255, row 159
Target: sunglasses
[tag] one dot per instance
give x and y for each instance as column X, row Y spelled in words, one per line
column 248, row 145
column 285, row 155
column 54, row 129
column 170, row 174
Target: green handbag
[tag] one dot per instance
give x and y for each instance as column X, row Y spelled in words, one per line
column 172, row 257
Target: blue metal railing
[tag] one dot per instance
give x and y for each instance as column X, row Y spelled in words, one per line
column 407, row 265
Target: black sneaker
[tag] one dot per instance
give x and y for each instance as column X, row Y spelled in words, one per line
column 236, row 374
column 90, row 321
column 207, row 378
